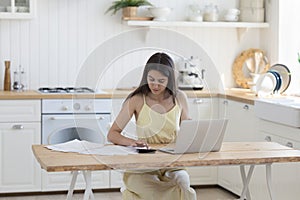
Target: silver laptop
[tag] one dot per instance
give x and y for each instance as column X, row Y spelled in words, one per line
column 198, row 136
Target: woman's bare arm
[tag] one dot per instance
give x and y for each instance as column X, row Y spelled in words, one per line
column 183, row 101
column 124, row 116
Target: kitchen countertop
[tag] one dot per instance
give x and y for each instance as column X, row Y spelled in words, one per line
column 241, row 95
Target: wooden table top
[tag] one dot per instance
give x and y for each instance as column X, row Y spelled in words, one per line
column 232, row 153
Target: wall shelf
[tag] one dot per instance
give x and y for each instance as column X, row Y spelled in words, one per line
column 220, row 24
column 241, row 27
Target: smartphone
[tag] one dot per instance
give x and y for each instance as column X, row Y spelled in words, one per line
column 144, row 150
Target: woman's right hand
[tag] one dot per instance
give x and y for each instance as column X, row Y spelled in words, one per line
column 139, row 143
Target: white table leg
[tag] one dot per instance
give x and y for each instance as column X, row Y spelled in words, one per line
column 269, row 179
column 246, row 180
column 72, row 185
column 88, row 189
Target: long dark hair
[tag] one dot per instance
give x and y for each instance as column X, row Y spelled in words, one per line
column 164, row 64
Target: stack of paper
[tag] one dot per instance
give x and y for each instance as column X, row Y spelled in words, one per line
column 85, row 147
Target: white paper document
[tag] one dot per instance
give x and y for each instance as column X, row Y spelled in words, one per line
column 85, row 147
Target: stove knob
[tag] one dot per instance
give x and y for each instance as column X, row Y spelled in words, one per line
column 88, row 108
column 76, row 106
column 65, row 108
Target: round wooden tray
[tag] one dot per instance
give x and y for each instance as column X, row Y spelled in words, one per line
column 239, row 68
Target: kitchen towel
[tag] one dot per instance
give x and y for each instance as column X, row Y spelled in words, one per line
column 85, row 147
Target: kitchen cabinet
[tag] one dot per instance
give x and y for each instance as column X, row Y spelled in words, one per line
column 60, row 181
column 242, row 126
column 286, row 176
column 203, row 108
column 116, row 179
column 17, row 9
column 242, row 122
column 20, row 128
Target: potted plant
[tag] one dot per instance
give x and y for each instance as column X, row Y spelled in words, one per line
column 129, row 7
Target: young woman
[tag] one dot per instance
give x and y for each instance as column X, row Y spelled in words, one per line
column 158, row 108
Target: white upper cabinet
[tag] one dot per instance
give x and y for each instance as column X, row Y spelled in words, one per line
column 17, row 9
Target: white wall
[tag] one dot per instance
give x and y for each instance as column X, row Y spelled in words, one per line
column 53, row 46
column 289, row 40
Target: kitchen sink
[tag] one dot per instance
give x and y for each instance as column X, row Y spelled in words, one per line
column 282, row 110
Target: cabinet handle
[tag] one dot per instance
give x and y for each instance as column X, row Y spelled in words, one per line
column 198, row 101
column 268, row 138
column 74, row 118
column 246, row 107
column 225, row 102
column 289, row 144
column 18, row 127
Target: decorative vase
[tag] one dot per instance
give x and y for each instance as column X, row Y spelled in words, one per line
column 129, row 12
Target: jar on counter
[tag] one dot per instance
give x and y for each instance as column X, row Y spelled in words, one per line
column 195, row 13
column 211, row 13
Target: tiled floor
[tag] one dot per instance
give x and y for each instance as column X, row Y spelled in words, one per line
column 202, row 194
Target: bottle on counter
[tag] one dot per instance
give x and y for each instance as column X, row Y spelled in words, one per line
column 7, row 77
column 19, row 79
column 23, row 79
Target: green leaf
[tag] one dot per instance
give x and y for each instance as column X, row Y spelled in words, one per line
column 119, row 4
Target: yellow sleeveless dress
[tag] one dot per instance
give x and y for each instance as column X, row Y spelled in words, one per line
column 167, row 184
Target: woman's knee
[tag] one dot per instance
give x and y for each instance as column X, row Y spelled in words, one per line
column 181, row 178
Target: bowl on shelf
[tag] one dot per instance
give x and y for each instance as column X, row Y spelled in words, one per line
column 23, row 9
column 160, row 13
column 231, row 18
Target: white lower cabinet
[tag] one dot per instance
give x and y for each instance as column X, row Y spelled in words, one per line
column 286, row 176
column 242, row 122
column 203, row 108
column 245, row 126
column 116, row 178
column 59, row 181
column 20, row 128
column 203, row 175
column 242, row 126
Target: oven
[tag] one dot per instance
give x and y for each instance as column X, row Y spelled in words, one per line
column 78, row 118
